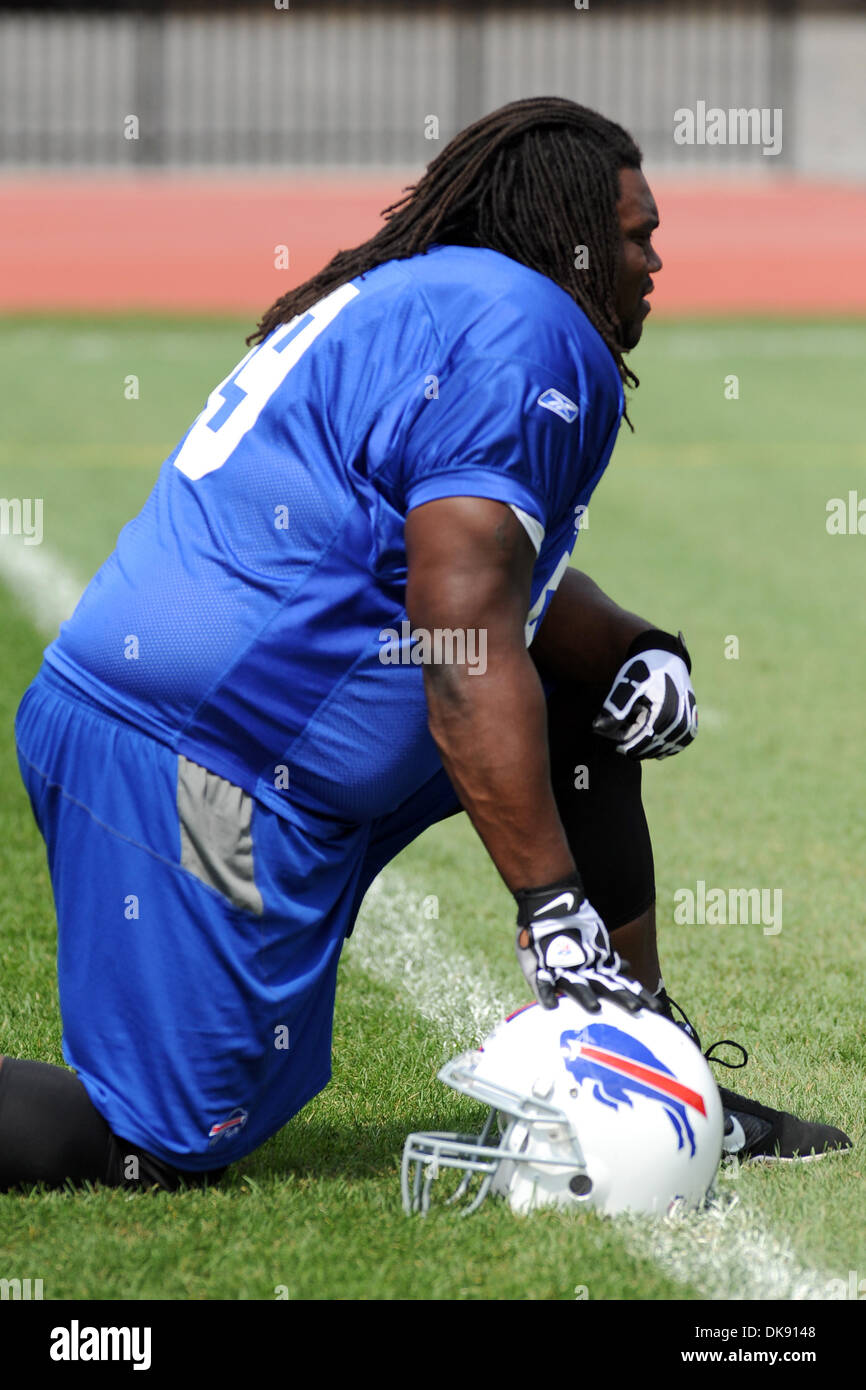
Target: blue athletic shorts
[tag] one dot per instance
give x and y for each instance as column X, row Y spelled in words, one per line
column 198, row 932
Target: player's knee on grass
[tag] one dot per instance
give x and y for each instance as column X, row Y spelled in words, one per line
column 51, row 1133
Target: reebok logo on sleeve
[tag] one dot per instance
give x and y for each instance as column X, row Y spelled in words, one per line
column 554, row 400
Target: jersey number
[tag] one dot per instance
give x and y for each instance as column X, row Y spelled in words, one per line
column 236, row 404
column 536, row 612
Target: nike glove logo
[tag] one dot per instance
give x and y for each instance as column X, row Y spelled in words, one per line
column 566, row 898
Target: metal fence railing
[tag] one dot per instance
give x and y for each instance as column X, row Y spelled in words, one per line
column 331, row 84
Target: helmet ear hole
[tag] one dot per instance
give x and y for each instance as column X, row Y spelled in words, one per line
column 580, row 1185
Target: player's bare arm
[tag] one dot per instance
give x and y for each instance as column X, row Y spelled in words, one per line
column 470, row 567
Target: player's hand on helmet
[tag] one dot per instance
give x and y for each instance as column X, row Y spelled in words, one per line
column 562, row 944
column 650, row 710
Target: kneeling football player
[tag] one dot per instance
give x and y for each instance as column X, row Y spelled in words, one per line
column 346, row 612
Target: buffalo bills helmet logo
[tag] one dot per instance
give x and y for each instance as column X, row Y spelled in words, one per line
column 617, row 1064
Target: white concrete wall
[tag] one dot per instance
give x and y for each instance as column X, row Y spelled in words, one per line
column 830, row 130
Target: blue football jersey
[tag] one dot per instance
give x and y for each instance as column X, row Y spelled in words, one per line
column 252, row 616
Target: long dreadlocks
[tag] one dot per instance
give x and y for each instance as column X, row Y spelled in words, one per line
column 535, row 179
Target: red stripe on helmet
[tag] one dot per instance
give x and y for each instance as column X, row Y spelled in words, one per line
column 659, row 1079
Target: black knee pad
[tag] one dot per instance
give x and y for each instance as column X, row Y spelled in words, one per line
column 51, row 1133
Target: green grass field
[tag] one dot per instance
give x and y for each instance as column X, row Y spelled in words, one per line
column 711, row 518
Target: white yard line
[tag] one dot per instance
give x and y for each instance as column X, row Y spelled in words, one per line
column 395, row 943
column 43, row 583
column 725, row 1253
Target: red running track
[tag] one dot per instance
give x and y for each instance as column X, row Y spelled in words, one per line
column 207, row 244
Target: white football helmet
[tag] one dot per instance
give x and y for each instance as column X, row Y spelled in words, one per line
column 610, row 1110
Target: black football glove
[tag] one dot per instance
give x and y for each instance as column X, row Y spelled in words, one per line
column 650, row 710
column 562, row 944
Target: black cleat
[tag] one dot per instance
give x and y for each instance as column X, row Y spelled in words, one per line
column 755, row 1133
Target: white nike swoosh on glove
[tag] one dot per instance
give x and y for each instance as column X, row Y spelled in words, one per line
column 567, row 898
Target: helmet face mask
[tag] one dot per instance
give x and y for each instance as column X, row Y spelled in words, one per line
column 487, row 1159
column 613, row 1111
